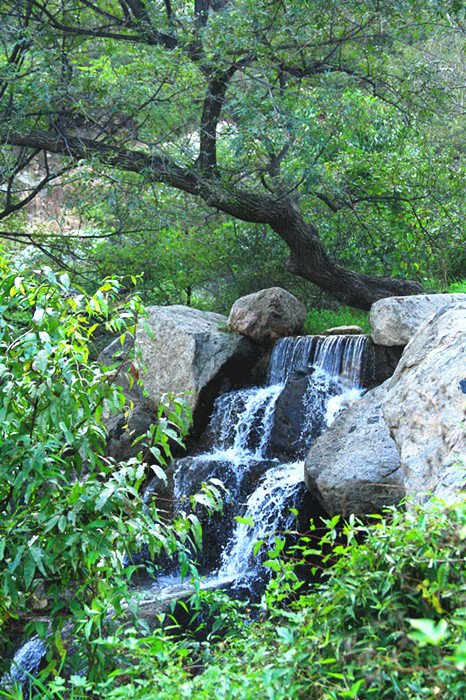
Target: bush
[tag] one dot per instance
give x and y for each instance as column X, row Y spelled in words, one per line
column 387, row 620
column 68, row 515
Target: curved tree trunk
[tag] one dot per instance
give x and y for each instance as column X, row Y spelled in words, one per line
column 308, row 258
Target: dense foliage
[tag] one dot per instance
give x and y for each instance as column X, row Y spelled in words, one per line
column 69, row 514
column 184, row 136
column 387, row 620
column 200, row 151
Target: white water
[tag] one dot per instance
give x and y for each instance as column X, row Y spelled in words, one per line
column 241, row 427
column 242, row 421
column 264, row 508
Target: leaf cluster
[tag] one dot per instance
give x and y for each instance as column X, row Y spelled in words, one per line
column 387, row 620
column 69, row 514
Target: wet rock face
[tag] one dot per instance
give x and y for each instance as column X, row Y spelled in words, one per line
column 385, row 361
column 26, row 663
column 395, row 320
column 267, row 315
column 425, row 408
column 354, row 467
column 300, row 414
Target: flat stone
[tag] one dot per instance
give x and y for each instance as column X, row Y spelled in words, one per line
column 344, row 330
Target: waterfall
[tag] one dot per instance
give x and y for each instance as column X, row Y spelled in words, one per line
column 264, row 508
column 240, row 429
column 289, row 354
column 239, row 451
column 342, row 356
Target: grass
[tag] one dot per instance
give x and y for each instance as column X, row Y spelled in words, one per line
column 458, row 286
column 318, row 320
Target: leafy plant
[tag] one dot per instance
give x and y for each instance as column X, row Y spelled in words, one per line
column 68, row 515
column 387, row 620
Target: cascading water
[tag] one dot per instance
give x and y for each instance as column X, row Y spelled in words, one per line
column 262, row 488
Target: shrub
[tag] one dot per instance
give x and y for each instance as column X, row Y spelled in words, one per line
column 387, row 620
column 68, row 514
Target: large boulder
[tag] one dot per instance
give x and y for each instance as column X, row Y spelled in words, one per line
column 267, row 315
column 354, row 466
column 192, row 353
column 425, row 407
column 395, row 320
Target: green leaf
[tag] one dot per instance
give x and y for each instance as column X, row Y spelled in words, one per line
column 273, row 564
column 29, row 570
column 429, row 632
column 246, row 520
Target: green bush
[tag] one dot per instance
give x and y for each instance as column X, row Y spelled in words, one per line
column 68, row 515
column 456, row 287
column 387, row 620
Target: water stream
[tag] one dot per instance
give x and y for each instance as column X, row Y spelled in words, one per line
column 262, row 487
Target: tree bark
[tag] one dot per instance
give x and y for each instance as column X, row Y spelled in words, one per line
column 308, row 258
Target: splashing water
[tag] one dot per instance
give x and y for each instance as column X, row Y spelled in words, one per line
column 264, row 507
column 241, row 426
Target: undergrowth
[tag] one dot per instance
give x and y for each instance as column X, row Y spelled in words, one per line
column 388, row 620
column 457, row 287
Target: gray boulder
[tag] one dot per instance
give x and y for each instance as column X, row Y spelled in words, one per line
column 395, row 320
column 139, row 411
column 354, row 466
column 191, row 353
column 425, row 408
column 267, row 315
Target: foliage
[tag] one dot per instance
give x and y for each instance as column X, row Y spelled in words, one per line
column 458, row 287
column 352, row 112
column 387, row 620
column 69, row 514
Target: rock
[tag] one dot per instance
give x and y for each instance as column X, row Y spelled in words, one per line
column 27, row 661
column 115, row 353
column 354, row 466
column 425, row 407
column 386, row 359
column 395, row 320
column 267, row 315
column 344, row 330
column 293, row 431
column 124, row 427
column 192, row 352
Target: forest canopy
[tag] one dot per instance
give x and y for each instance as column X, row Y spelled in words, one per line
column 187, row 134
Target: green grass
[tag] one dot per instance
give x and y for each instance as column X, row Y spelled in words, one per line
column 318, row 320
column 458, row 286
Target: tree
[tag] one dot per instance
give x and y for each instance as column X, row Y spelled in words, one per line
column 239, row 104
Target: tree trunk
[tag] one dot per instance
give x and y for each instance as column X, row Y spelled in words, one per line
column 308, row 258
